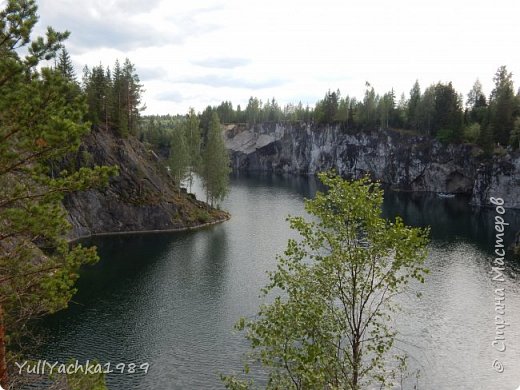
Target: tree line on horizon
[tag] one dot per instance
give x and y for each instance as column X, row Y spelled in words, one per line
column 113, row 96
column 438, row 111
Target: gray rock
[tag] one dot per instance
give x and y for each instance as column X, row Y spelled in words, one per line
column 405, row 162
column 142, row 197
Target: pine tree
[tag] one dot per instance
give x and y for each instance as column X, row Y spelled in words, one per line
column 35, row 282
column 118, row 116
column 131, row 89
column 114, row 98
column 64, row 65
column 215, row 163
column 502, row 105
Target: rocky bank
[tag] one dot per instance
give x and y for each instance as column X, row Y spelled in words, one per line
column 404, row 161
column 141, row 198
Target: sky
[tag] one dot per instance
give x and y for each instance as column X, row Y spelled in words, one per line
column 199, row 52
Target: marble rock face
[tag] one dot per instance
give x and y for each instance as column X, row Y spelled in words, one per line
column 405, row 162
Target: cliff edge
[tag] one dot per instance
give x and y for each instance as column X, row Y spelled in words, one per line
column 406, row 162
column 143, row 197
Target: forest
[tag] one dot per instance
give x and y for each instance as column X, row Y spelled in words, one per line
column 492, row 122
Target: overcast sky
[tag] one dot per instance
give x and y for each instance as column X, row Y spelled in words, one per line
column 197, row 52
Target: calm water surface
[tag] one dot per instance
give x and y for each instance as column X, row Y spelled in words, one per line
column 171, row 299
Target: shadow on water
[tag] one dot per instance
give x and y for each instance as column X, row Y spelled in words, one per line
column 172, row 299
column 450, row 219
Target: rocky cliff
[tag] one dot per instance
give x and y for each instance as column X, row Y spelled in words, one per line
column 405, row 162
column 142, row 197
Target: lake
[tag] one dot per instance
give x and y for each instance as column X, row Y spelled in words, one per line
column 171, row 300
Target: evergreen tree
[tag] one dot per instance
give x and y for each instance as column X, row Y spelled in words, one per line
column 119, row 117
column 413, row 106
column 426, row 111
column 502, row 106
column 64, row 65
column 114, row 99
column 253, row 109
column 215, row 163
column 514, row 140
column 401, row 113
column 342, row 115
column 96, row 87
column 34, row 282
column 225, row 112
column 448, row 112
column 485, row 139
column 386, row 108
column 326, row 110
column 131, row 99
column 476, row 103
column 368, row 108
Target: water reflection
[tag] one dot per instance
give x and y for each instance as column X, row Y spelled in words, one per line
column 172, row 299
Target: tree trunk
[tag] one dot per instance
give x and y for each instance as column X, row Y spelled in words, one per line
column 356, row 364
column 3, row 366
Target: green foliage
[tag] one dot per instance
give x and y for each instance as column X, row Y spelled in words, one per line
column 158, row 130
column 225, row 112
column 253, row 110
column 41, row 121
column 179, row 160
column 64, row 65
column 477, row 103
column 472, row 132
column 413, row 106
column 114, row 100
column 368, row 108
column 79, row 379
column 326, row 110
column 514, row 139
column 438, row 109
column 215, row 163
column 192, row 130
column 329, row 324
column 448, row 115
column 446, row 136
column 486, row 140
column 502, row 106
column 202, row 216
column 386, row 107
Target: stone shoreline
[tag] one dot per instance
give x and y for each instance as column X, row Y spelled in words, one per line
column 172, row 230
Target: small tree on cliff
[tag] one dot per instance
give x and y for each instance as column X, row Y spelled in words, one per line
column 330, row 327
column 215, row 163
column 179, row 160
column 40, row 121
column 193, row 139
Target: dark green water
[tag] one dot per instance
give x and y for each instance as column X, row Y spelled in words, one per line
column 171, row 299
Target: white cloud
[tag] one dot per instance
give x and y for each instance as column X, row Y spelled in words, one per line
column 202, row 52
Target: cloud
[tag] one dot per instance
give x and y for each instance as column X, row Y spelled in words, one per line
column 123, row 25
column 171, row 96
column 148, row 74
column 214, row 80
column 222, row 62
